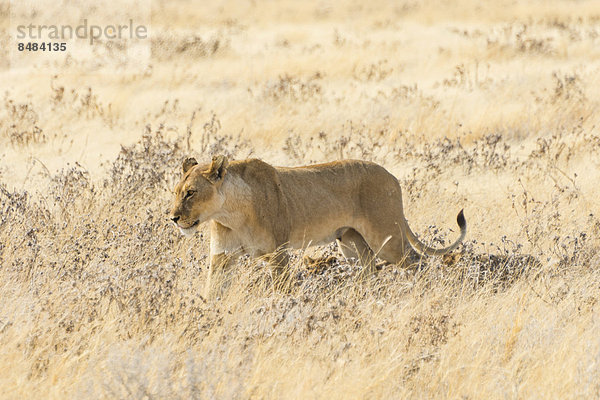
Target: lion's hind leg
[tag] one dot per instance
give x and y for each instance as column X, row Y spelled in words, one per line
column 353, row 245
column 396, row 250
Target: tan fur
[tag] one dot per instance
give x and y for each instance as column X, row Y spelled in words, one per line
column 259, row 209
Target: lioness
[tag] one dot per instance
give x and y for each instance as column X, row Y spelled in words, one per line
column 259, row 209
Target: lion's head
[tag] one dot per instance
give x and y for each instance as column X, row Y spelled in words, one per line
column 197, row 196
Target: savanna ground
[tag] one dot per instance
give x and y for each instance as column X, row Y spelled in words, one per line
column 488, row 106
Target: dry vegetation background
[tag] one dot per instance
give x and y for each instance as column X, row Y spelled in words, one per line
column 490, row 106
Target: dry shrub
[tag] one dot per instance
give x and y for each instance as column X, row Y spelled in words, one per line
column 373, row 72
column 290, row 88
column 168, row 45
column 22, row 128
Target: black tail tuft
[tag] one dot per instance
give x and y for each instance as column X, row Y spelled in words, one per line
column 460, row 219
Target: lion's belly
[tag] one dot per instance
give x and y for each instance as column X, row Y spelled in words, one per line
column 313, row 224
column 317, row 233
column 324, row 199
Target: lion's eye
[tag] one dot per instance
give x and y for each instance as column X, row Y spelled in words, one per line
column 189, row 193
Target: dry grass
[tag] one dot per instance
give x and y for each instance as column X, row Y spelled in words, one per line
column 490, row 107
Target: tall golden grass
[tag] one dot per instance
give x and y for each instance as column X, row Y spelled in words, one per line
column 487, row 106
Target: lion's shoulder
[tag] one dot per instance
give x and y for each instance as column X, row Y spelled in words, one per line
column 254, row 171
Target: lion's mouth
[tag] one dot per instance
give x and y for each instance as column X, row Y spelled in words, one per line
column 190, row 230
column 189, row 226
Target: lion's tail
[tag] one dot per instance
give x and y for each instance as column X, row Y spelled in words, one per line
column 430, row 251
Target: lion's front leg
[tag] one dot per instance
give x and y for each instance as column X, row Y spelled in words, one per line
column 218, row 276
column 224, row 251
column 280, row 271
column 279, row 260
column 219, row 264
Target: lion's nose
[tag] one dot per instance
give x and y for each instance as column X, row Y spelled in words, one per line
column 175, row 219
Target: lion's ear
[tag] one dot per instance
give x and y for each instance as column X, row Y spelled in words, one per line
column 217, row 169
column 189, row 163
